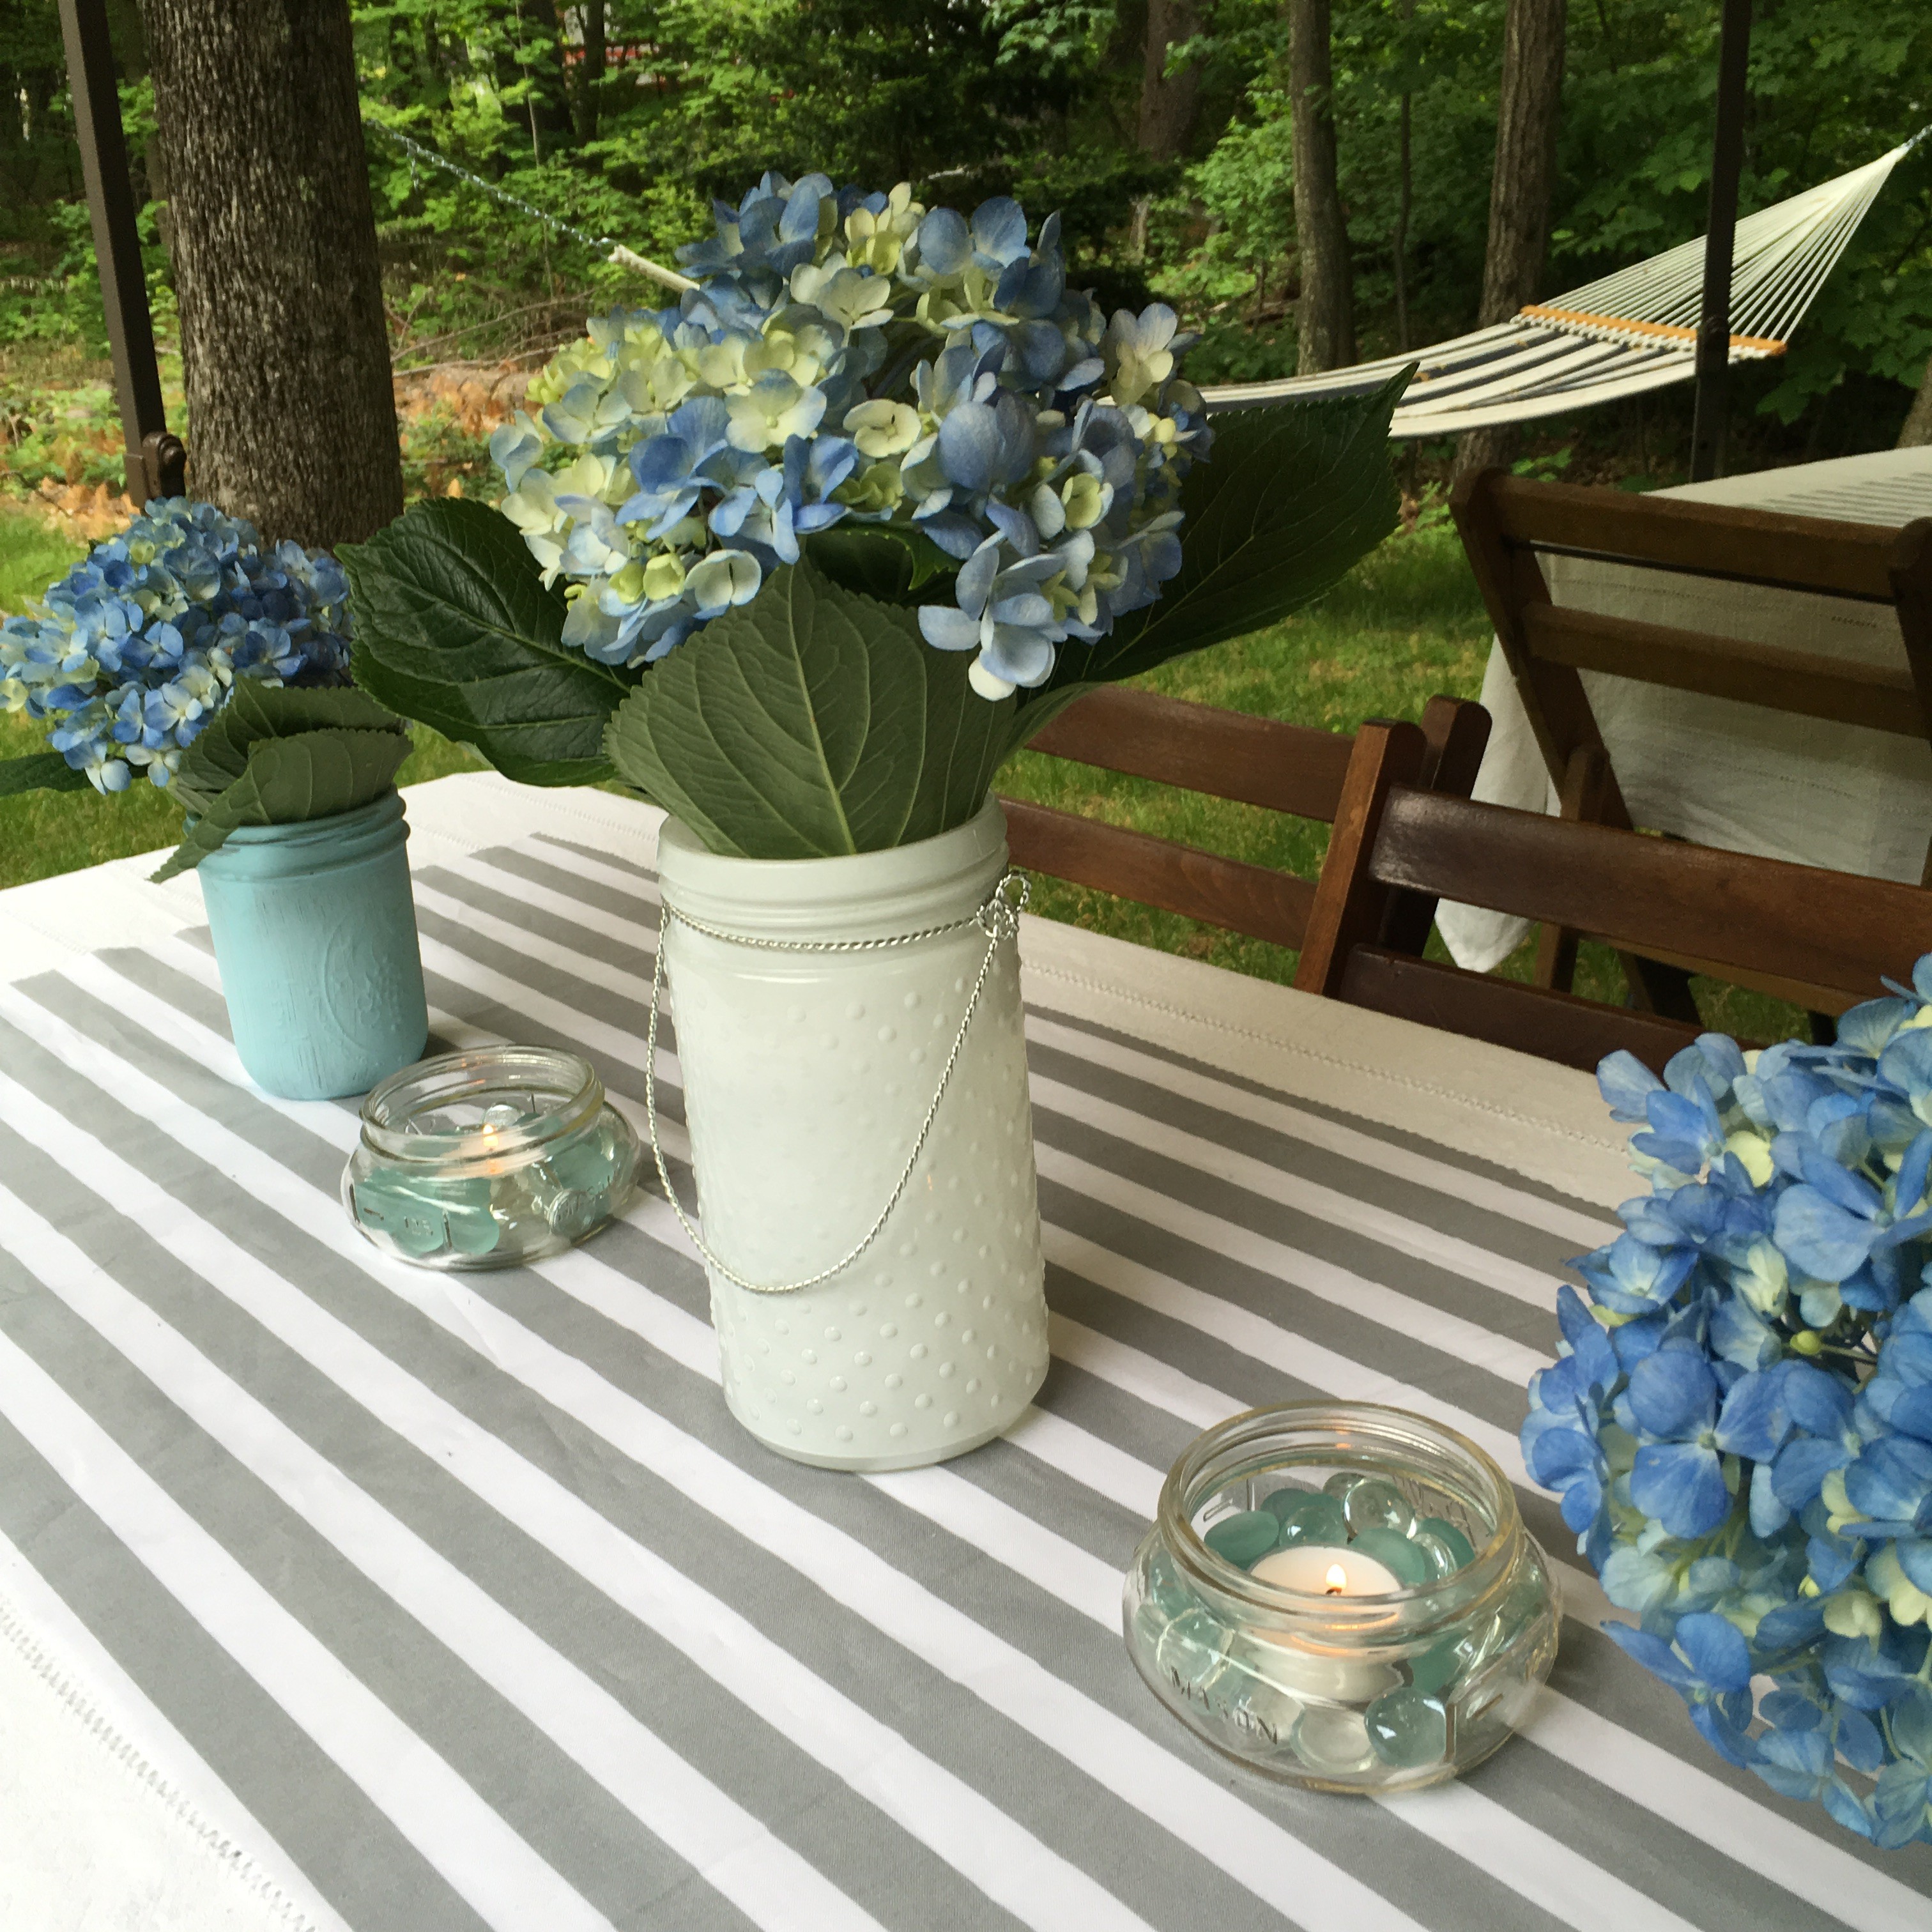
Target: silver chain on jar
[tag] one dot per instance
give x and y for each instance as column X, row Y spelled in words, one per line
column 998, row 916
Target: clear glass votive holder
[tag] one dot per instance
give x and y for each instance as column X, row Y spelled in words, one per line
column 488, row 1158
column 1342, row 1596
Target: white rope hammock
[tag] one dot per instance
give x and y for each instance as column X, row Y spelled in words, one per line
column 1634, row 330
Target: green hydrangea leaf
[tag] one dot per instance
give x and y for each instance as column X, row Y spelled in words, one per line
column 1292, row 497
column 40, row 771
column 887, row 561
column 291, row 781
column 195, row 795
column 811, row 722
column 254, row 711
column 455, row 628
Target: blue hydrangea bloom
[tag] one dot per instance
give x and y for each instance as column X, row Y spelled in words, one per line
column 127, row 657
column 1739, row 1423
column 850, row 356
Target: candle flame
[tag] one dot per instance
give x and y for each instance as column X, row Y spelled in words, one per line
column 1337, row 1579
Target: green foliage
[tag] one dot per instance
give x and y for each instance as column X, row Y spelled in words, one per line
column 284, row 756
column 39, row 771
column 1832, row 85
column 1039, row 98
column 455, row 629
column 887, row 561
column 964, row 100
column 812, row 722
column 257, row 711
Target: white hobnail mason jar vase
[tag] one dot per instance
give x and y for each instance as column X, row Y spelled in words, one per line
column 808, row 1075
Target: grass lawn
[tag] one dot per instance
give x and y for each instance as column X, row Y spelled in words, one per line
column 1408, row 622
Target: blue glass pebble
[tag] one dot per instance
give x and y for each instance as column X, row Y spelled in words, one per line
column 1312, row 1518
column 1442, row 1558
column 1407, row 1728
column 1438, row 1664
column 589, row 1166
column 1244, row 1539
column 1289, row 1496
column 1397, row 1553
column 1332, row 1741
column 1189, row 1649
column 1372, row 1504
column 423, row 1217
column 1165, row 1587
column 1446, row 1532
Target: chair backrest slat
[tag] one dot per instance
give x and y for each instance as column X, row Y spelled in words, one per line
column 1227, row 754
column 1510, row 525
column 1254, row 899
column 1551, row 1025
column 1825, row 940
column 1819, row 554
column 1834, row 930
column 1879, row 696
column 1258, row 761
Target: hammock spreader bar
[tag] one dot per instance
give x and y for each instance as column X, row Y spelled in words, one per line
column 1617, row 328
column 1622, row 335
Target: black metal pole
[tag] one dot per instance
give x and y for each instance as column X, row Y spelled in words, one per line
column 1714, row 326
column 155, row 459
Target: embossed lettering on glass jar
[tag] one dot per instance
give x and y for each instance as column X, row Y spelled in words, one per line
column 1342, row 1596
column 489, row 1159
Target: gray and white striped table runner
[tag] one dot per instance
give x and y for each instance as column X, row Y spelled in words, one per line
column 470, row 1590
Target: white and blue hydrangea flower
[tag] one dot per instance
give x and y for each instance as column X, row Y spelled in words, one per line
column 1740, row 1429
column 127, row 657
column 848, row 355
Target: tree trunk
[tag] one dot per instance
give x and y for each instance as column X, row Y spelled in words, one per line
column 1405, row 194
column 286, row 359
column 1917, row 433
column 1324, row 320
column 529, row 57
column 1167, row 105
column 590, row 70
column 1523, row 184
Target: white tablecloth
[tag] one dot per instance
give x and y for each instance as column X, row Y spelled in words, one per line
column 110, row 1821
column 109, row 1817
column 1714, row 771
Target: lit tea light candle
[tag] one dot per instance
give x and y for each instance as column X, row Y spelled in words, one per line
column 1303, row 1665
column 1325, row 1570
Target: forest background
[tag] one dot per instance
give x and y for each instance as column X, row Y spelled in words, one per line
column 1161, row 131
column 1159, row 128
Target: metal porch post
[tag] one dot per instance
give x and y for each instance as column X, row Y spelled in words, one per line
column 1714, row 326
column 156, row 459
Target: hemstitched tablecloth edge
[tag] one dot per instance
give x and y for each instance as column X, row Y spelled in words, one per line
column 1543, row 1121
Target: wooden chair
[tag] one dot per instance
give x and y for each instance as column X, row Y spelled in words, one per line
column 1508, row 524
column 1226, row 754
column 1821, row 938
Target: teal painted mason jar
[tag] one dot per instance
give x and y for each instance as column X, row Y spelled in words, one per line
column 315, row 931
